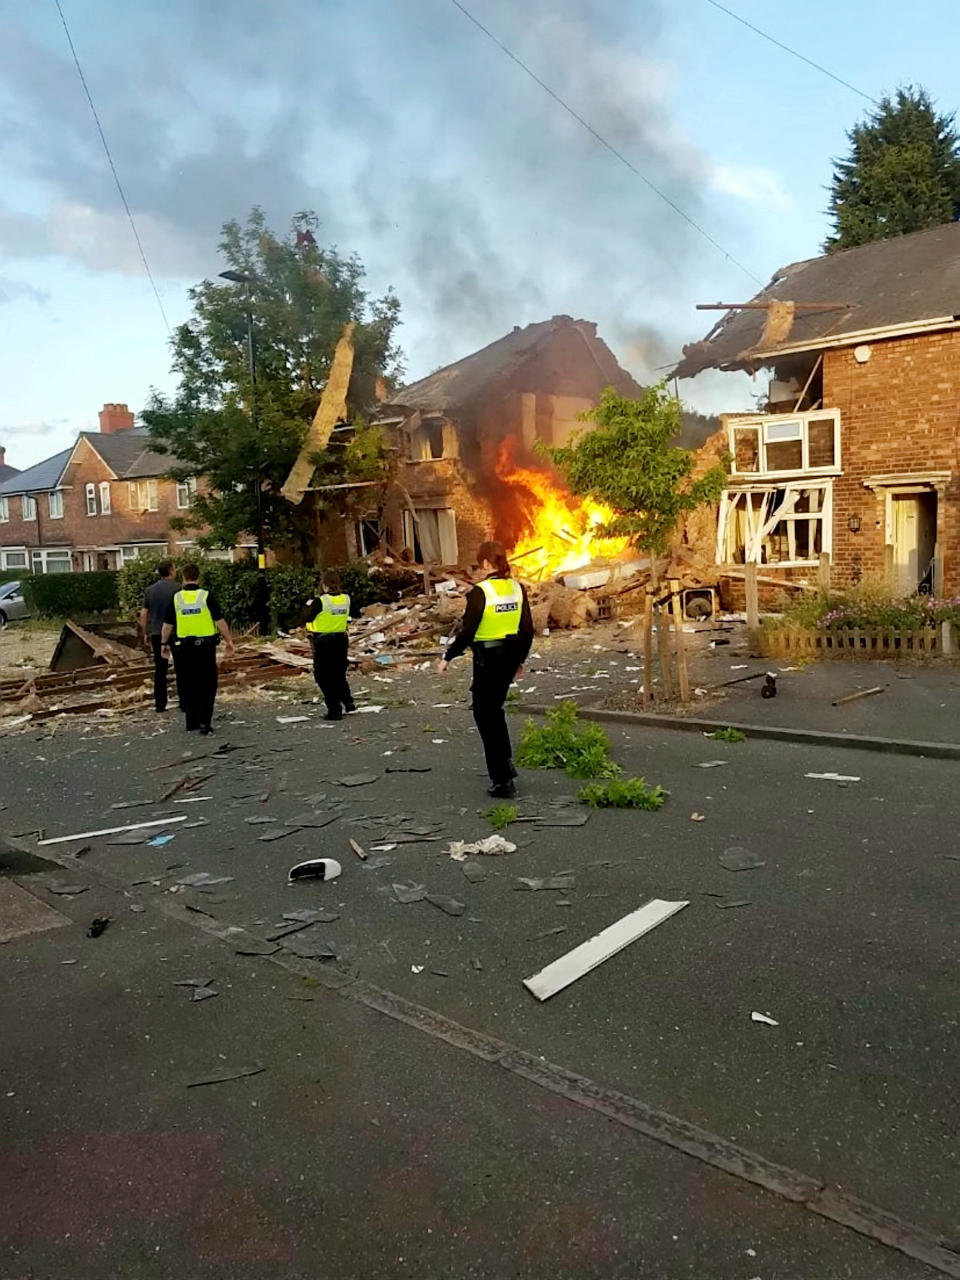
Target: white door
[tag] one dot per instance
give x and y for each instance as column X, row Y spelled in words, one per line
column 905, row 517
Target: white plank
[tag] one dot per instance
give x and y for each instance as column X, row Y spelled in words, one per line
column 568, row 968
column 112, row 831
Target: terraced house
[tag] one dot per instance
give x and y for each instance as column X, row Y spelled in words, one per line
column 106, row 500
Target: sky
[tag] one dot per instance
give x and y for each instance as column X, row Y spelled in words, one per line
column 426, row 150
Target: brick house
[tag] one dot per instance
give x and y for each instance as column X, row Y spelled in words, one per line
column 856, row 455
column 459, row 429
column 96, row 505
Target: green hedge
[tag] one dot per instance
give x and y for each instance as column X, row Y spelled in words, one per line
column 12, row 575
column 70, row 595
column 235, row 586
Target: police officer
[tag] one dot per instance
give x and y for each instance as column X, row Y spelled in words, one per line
column 196, row 622
column 328, row 616
column 498, row 627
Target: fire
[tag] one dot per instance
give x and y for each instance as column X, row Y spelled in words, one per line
column 559, row 531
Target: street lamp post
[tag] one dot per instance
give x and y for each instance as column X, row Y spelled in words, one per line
column 263, row 621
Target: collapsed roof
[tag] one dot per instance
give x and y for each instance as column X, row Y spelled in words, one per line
column 909, row 282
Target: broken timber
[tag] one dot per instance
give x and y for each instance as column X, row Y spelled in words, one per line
column 332, row 408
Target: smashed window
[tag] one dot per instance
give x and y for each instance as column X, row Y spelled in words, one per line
column 783, row 525
column 769, row 444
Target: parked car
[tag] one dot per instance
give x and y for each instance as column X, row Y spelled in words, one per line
column 11, row 603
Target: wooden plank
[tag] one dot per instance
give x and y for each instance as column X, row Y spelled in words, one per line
column 602, row 946
column 855, row 697
column 753, row 604
column 332, row 407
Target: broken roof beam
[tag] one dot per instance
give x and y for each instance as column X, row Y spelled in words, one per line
column 764, row 306
column 330, row 411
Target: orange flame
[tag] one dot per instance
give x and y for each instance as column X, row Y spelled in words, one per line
column 559, row 530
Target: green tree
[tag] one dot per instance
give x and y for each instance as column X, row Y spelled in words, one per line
column 902, row 173
column 629, row 463
column 300, row 297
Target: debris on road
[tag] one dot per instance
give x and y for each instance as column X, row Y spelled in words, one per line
column 98, row 925
column 201, row 988
column 733, row 902
column 202, row 880
column 737, row 859
column 860, row 693
column 406, row 893
column 310, row 945
column 460, row 850
column 357, row 779
column 158, row 842
column 112, row 831
column 764, row 1018
column 312, row 915
column 358, row 849
column 475, row 872
column 568, row 968
column 698, row 817
column 450, row 905
column 533, row 885
column 60, row 887
column 227, row 1073
column 769, row 687
column 315, row 869
column 549, row 933
column 834, row 777
column 711, row 764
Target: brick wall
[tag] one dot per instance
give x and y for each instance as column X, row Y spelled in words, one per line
column 900, row 412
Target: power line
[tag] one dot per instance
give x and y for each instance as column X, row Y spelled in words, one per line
column 786, row 48
column 604, row 143
column 113, row 167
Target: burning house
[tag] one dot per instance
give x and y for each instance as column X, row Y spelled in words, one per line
column 467, row 466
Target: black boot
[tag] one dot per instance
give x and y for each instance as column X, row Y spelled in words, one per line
column 502, row 790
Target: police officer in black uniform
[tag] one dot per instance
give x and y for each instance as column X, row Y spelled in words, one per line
column 498, row 627
column 328, row 616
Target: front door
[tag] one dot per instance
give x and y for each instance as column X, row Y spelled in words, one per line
column 914, row 537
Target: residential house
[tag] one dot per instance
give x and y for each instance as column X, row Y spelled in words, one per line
column 460, row 432
column 856, row 454
column 6, row 472
column 96, row 505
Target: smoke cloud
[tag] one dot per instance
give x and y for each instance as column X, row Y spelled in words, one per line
column 419, row 144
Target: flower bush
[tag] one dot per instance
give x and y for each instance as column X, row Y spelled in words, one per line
column 868, row 607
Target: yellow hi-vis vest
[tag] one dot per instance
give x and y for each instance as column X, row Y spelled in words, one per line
column 194, row 619
column 501, row 614
column 334, row 617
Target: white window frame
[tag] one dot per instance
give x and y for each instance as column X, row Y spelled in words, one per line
column 105, row 503
column 55, row 504
column 21, row 554
column 4, row 510
column 90, row 497
column 760, row 524
column 133, row 551
column 185, row 493
column 143, row 495
column 42, row 557
column 28, row 507
column 775, row 424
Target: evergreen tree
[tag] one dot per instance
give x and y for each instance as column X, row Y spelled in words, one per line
column 902, row 173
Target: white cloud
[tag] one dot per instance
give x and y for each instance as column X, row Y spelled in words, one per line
column 751, row 183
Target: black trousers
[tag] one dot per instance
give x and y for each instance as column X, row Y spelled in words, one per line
column 330, row 671
column 494, row 667
column 196, row 665
column 160, row 668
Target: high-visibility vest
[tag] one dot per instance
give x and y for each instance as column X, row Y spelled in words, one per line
column 334, row 616
column 501, row 613
column 194, row 619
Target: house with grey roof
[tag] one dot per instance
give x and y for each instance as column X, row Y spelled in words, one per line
column 106, row 500
column 853, row 466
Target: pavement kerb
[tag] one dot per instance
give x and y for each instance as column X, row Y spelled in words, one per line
column 780, row 733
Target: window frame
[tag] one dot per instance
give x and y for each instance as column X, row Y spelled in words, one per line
column 762, row 423
column 4, row 510
column 106, row 502
column 90, row 498
column 760, row 522
column 148, row 488
column 43, row 555
column 28, row 512
column 187, row 488
column 7, row 552
column 58, row 514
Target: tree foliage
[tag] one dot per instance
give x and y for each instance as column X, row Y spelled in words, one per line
column 902, row 173
column 300, row 298
column 628, row 463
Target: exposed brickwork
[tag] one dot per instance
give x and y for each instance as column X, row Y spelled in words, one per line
column 900, row 412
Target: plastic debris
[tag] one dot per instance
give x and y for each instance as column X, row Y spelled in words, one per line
column 111, row 831
column 417, row 968
column 460, row 850
column 737, row 859
column 158, row 842
column 764, row 1018
column 227, row 1073
column 315, row 869
column 450, row 905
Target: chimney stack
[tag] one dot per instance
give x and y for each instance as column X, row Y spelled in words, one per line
column 115, row 417
column 3, row 454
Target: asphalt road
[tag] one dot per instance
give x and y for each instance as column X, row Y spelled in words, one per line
column 847, row 940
